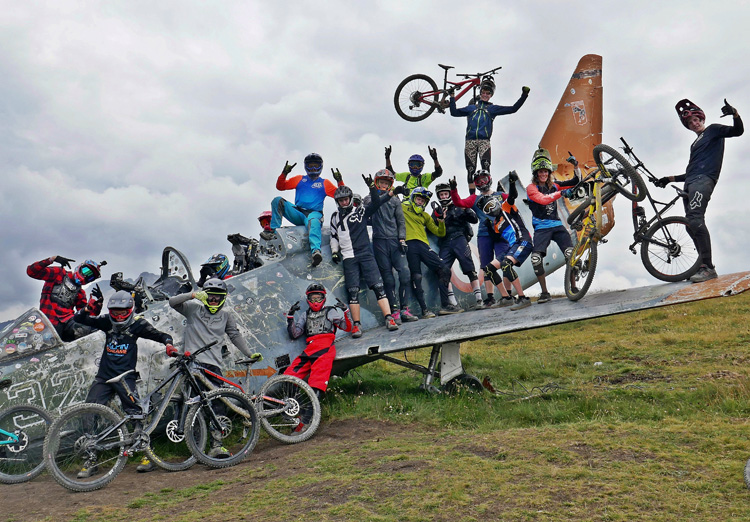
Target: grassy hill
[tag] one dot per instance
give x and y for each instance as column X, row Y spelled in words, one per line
column 640, row 416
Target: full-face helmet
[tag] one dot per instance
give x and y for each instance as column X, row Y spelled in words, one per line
column 416, row 164
column 316, row 296
column 686, row 109
column 482, row 180
column 420, row 192
column 217, row 294
column 87, row 272
column 313, row 164
column 384, row 175
column 219, row 264
column 120, row 307
column 443, row 191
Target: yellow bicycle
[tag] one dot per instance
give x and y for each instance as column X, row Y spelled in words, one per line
column 612, row 175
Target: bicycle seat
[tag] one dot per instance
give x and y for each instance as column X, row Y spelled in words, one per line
column 446, row 67
column 680, row 192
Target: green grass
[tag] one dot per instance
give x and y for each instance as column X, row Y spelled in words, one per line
column 657, row 431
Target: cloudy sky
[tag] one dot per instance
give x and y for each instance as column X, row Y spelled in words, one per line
column 128, row 126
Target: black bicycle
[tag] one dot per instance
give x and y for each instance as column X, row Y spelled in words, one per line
column 89, row 444
column 668, row 251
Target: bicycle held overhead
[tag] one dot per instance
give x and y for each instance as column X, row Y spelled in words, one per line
column 418, row 96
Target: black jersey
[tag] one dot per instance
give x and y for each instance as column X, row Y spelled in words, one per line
column 707, row 151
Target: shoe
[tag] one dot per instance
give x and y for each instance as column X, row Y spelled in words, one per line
column 489, row 302
column 450, row 310
column 503, row 302
column 407, row 316
column 317, row 257
column 703, row 274
column 219, row 452
column 145, row 466
column 88, row 470
column 356, row 330
column 396, row 316
column 268, row 235
column 390, row 323
column 479, row 305
column 543, row 297
column 428, row 315
column 521, row 303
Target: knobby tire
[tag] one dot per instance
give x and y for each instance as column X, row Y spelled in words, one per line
column 578, row 277
column 674, row 263
column 23, row 460
column 301, row 416
column 403, row 98
column 621, row 173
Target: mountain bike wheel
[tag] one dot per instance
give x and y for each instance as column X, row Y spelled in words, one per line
column 230, row 441
column 85, row 438
column 621, row 173
column 407, row 102
column 578, row 276
column 288, row 408
column 168, row 447
column 668, row 252
column 23, row 460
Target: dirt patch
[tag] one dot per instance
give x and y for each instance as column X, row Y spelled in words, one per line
column 43, row 498
column 722, row 374
column 632, row 377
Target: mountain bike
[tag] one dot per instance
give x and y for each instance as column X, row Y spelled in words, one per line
column 89, row 444
column 668, row 251
column 287, row 407
column 612, row 175
column 22, row 431
column 417, row 96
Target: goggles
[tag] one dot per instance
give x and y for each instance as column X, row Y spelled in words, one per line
column 316, row 298
column 416, row 164
column 215, row 299
column 120, row 314
column 314, row 166
column 88, row 274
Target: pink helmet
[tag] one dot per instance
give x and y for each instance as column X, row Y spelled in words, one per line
column 686, row 109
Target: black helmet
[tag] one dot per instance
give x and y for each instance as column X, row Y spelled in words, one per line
column 490, row 205
column 488, row 84
column 343, row 192
column 313, row 164
column 356, row 200
column 120, row 307
column 316, row 288
column 442, row 188
column 483, row 185
column 217, row 292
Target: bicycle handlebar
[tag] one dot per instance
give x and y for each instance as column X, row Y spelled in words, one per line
column 192, row 355
column 479, row 75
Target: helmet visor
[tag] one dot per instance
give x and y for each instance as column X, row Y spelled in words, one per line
column 87, row 274
column 416, row 165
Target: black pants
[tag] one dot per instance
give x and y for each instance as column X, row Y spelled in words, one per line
column 388, row 256
column 101, row 392
column 699, row 194
column 418, row 253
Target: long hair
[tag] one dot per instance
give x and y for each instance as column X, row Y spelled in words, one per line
column 535, row 179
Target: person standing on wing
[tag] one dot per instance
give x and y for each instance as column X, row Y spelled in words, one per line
column 309, row 197
column 702, row 174
column 415, row 177
column 389, row 247
column 350, row 244
column 479, row 117
column 543, row 194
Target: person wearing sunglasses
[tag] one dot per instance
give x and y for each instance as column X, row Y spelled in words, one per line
column 122, row 329
column 702, row 174
column 310, row 194
column 63, row 293
column 415, row 177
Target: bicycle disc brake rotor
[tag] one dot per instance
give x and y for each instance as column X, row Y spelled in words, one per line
column 172, row 432
column 226, row 425
column 415, row 98
column 23, row 441
column 292, row 407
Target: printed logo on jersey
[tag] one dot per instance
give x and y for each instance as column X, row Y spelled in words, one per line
column 317, row 185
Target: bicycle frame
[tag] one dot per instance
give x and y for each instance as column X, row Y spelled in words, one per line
column 470, row 83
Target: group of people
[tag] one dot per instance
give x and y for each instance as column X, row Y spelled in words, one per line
column 400, row 221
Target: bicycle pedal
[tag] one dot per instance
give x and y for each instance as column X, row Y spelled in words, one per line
column 602, row 240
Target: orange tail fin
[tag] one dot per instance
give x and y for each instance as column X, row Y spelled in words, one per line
column 576, row 125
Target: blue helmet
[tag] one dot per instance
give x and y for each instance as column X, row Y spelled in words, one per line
column 219, row 264
column 313, row 164
column 420, row 191
column 416, row 164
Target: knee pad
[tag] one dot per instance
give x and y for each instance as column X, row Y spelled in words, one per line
column 416, row 279
column 508, row 271
column 472, row 275
column 537, row 262
column 568, row 253
column 353, row 295
column 379, row 291
column 490, row 273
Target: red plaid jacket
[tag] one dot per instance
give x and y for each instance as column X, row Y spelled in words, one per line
column 54, row 275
